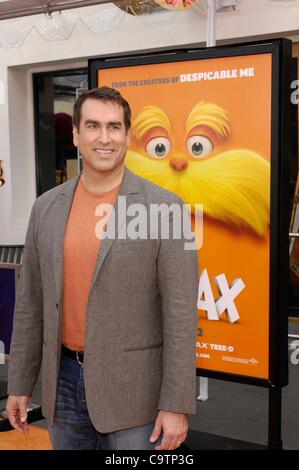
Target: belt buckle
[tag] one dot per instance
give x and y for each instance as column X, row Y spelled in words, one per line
column 77, row 357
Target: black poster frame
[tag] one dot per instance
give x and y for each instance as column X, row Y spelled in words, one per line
column 281, row 51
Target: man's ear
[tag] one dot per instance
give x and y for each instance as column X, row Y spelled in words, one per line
column 75, row 136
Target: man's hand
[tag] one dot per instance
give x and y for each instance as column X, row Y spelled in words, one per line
column 16, row 408
column 174, row 427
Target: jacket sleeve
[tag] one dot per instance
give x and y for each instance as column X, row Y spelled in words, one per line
column 26, row 345
column 178, row 285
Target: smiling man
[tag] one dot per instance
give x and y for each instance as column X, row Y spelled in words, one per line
column 112, row 322
column 102, row 133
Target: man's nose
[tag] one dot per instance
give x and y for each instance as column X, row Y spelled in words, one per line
column 104, row 136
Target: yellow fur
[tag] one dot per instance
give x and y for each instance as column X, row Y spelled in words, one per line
column 150, row 116
column 210, row 115
column 233, row 186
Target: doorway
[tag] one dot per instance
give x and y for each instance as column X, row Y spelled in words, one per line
column 57, row 159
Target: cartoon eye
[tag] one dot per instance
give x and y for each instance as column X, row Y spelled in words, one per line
column 158, row 147
column 199, row 146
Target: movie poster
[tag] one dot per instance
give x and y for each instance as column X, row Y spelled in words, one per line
column 202, row 129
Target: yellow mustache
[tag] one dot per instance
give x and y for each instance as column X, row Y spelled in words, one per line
column 233, row 186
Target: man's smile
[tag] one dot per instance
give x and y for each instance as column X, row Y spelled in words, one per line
column 104, row 152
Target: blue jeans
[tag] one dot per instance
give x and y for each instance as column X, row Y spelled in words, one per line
column 73, row 429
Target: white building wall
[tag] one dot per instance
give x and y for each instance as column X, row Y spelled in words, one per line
column 254, row 19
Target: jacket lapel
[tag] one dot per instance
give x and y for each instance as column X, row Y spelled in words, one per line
column 64, row 204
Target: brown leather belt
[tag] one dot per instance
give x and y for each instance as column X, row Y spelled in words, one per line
column 75, row 355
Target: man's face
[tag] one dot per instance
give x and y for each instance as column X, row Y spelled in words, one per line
column 102, row 137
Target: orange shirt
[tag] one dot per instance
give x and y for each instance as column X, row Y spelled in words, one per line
column 81, row 247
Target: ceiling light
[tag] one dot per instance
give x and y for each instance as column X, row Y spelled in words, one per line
column 108, row 18
column 56, row 26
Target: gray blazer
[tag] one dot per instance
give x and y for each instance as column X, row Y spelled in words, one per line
column 141, row 316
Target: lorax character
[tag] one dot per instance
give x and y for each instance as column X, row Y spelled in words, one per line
column 233, row 184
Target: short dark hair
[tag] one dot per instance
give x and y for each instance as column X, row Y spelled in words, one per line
column 105, row 94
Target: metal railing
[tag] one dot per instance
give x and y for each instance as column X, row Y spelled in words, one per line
column 11, row 254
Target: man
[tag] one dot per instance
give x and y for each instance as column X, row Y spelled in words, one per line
column 112, row 320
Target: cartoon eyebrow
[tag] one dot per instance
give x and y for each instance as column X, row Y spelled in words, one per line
column 150, row 116
column 210, row 115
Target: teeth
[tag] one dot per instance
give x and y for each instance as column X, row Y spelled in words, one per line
column 104, row 152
